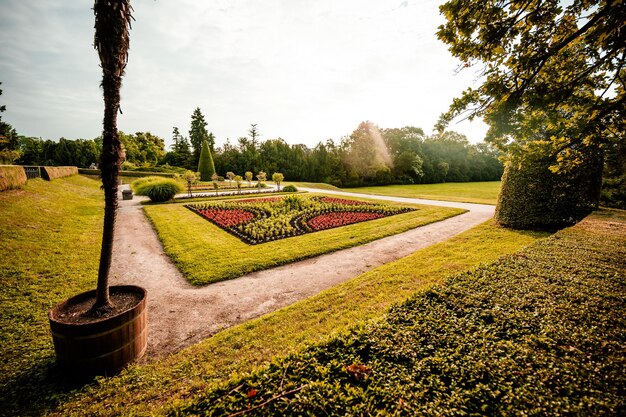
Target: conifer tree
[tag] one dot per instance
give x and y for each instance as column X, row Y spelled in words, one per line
column 206, row 167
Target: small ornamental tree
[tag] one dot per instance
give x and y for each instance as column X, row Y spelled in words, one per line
column 238, row 179
column 277, row 177
column 206, row 167
column 249, row 175
column 261, row 176
column 230, row 175
column 190, row 177
column 216, row 184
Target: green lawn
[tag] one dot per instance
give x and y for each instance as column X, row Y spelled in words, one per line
column 49, row 249
column 157, row 387
column 318, row 185
column 465, row 192
column 204, row 253
column 540, row 332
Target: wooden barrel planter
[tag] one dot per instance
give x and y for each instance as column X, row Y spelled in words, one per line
column 103, row 346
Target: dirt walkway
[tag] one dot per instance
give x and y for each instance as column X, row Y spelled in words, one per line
column 181, row 315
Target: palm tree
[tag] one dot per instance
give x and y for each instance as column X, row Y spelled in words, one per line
column 111, row 41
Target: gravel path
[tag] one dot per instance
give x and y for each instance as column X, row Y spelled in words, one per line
column 181, row 314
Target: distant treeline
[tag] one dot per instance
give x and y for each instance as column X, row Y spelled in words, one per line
column 367, row 156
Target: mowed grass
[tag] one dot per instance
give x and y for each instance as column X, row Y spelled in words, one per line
column 50, row 235
column 205, row 253
column 173, row 382
column 464, row 192
column 317, row 185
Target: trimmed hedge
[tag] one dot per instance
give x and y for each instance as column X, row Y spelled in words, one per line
column 540, row 332
column 532, row 197
column 138, row 174
column 51, row 173
column 290, row 189
column 12, row 176
column 158, row 189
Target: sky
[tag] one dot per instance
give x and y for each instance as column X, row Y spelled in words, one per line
column 302, row 70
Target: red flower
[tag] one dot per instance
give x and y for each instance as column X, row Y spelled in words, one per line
column 340, row 218
column 227, row 218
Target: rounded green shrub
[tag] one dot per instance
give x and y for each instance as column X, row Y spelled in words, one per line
column 290, row 189
column 162, row 190
column 138, row 183
column 534, row 198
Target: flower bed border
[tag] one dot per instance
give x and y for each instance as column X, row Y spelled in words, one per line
column 299, row 223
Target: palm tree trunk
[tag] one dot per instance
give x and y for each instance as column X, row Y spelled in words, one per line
column 111, row 41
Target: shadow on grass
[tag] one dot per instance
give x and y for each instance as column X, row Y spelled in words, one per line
column 38, row 389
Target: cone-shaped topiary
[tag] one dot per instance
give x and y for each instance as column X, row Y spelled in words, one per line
column 206, row 167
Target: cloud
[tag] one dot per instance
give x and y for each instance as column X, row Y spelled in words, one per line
column 305, row 71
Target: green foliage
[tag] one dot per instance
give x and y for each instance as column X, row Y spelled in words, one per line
column 64, row 152
column 277, row 177
column 12, row 176
column 510, row 337
column 206, row 168
column 290, row 189
column 261, row 176
column 613, row 193
column 191, row 241
column 159, row 189
column 142, row 148
column 181, row 154
column 137, row 184
column 553, row 77
column 198, row 135
column 368, row 156
column 534, row 197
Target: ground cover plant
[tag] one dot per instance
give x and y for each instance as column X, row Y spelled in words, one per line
column 155, row 388
column 464, row 192
column 539, row 332
column 205, row 253
column 263, row 220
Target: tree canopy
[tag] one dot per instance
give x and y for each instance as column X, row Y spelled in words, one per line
column 553, row 73
column 198, row 134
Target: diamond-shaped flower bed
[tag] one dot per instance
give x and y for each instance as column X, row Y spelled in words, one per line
column 262, row 220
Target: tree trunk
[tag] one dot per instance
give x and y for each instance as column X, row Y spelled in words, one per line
column 109, row 168
column 111, row 41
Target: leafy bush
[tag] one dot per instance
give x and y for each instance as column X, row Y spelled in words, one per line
column 161, row 189
column 536, row 333
column 136, row 185
column 12, row 176
column 533, row 197
column 51, row 173
column 290, row 189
